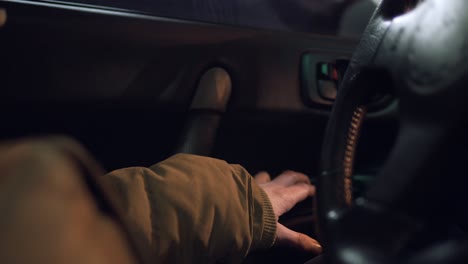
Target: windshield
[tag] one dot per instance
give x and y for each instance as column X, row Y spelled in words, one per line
column 329, row 17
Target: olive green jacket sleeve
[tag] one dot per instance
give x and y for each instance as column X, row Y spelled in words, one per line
column 192, row 209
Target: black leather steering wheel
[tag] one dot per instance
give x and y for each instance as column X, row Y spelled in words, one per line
column 421, row 56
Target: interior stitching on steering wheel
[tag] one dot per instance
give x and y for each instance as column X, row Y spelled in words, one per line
column 351, row 143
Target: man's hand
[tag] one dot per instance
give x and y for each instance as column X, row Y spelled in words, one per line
column 285, row 191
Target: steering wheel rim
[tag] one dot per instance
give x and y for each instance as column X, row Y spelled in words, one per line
column 428, row 80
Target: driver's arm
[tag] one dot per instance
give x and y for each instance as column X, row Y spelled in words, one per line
column 189, row 209
column 192, row 209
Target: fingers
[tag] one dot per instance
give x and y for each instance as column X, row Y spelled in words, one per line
column 289, row 178
column 292, row 195
column 289, row 238
column 300, row 192
column 262, row 177
column 285, row 191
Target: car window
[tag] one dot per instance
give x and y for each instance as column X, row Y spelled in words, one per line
column 337, row 17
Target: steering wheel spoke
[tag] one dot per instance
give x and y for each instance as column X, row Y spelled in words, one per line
column 412, row 171
column 369, row 232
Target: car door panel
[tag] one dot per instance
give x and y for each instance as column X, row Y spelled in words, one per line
column 125, row 80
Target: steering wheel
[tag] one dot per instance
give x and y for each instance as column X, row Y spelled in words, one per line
column 420, row 54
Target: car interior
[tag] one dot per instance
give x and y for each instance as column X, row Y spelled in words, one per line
column 365, row 97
